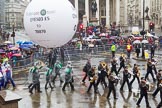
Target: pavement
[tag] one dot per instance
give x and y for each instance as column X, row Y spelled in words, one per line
column 79, row 98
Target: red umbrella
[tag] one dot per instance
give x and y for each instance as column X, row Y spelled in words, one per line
column 17, row 54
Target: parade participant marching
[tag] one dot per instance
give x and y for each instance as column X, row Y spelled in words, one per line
column 159, row 79
column 8, row 78
column 136, row 73
column 112, row 82
column 92, row 78
column 144, row 87
column 86, row 69
column 57, row 68
column 113, row 49
column 149, row 70
column 113, row 66
column 126, row 76
column 68, row 77
column 102, row 72
column 30, row 75
column 7, row 74
column 160, row 89
column 48, row 78
column 36, row 82
column 122, row 62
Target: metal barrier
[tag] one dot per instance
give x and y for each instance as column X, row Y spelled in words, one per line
column 23, row 63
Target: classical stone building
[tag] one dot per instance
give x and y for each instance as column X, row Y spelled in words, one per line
column 2, row 12
column 108, row 11
column 14, row 12
column 156, row 12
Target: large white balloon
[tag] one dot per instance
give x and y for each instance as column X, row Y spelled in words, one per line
column 50, row 23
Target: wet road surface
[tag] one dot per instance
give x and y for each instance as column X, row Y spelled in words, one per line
column 80, row 98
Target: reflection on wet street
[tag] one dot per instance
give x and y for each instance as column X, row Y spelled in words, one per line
column 79, row 98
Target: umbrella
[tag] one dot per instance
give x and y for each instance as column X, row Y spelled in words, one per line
column 7, row 42
column 14, row 48
column 17, row 54
column 145, row 41
column 102, row 34
column 137, row 42
column 25, row 48
column 113, row 37
column 28, row 42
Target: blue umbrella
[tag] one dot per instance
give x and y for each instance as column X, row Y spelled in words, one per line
column 25, row 48
column 28, row 42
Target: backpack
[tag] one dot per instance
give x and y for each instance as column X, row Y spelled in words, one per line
column 85, row 68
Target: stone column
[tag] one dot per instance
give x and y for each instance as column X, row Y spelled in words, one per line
column 117, row 12
column 107, row 13
column 125, row 13
column 77, row 8
column 97, row 12
column 87, row 9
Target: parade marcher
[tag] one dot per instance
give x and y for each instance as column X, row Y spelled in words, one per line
column 137, row 48
column 36, row 82
column 113, row 66
column 126, row 76
column 57, row 72
column 129, row 49
column 86, row 69
column 160, row 89
column 102, row 72
column 136, row 74
column 154, row 62
column 92, row 78
column 122, row 62
column 112, row 82
column 48, row 78
column 149, row 70
column 113, row 49
column 68, row 77
column 144, row 87
column 8, row 78
column 152, row 48
column 159, row 79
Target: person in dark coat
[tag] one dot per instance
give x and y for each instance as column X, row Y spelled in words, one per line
column 113, row 66
column 136, row 74
column 92, row 78
column 159, row 79
column 102, row 72
column 86, row 69
column 122, row 62
column 137, row 48
column 144, row 87
column 112, row 82
column 160, row 89
column 152, row 49
column 149, row 70
column 126, row 76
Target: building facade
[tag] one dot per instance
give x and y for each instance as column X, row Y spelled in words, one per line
column 14, row 13
column 2, row 12
column 108, row 11
column 156, row 12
